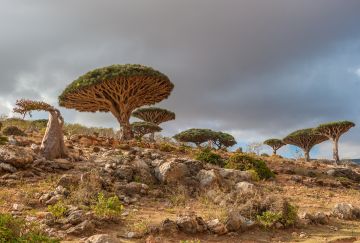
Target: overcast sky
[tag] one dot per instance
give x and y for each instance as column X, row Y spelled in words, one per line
column 254, row 68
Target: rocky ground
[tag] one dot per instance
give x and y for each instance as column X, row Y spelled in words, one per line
column 167, row 196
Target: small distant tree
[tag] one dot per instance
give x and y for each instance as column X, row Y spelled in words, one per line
column 254, row 147
column 195, row 135
column 52, row 145
column 154, row 115
column 305, row 139
column 222, row 139
column 333, row 131
column 140, row 129
column 275, row 144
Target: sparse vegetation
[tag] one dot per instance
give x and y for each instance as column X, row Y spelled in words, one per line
column 58, row 210
column 15, row 230
column 107, row 207
column 13, row 131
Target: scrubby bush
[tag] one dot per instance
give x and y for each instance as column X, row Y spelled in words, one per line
column 3, row 140
column 207, row 156
column 13, row 130
column 245, row 162
column 15, row 230
column 40, row 123
column 287, row 216
column 254, row 175
column 58, row 210
column 268, row 219
column 264, row 155
column 166, row 147
column 107, row 206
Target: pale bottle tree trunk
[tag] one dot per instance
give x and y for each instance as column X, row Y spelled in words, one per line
column 336, row 150
column 53, row 145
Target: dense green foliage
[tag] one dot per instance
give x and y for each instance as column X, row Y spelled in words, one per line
column 58, row 210
column 142, row 128
column 287, row 216
column 154, row 115
column 99, row 75
column 199, row 136
column 195, row 135
column 240, row 161
column 13, row 130
column 108, row 206
column 335, row 124
column 207, row 156
column 304, row 138
column 15, row 230
column 222, row 139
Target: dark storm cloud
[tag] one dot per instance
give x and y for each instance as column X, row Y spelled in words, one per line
column 250, row 67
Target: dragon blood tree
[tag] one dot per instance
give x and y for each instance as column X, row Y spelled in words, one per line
column 305, row 139
column 140, row 129
column 52, row 145
column 118, row 89
column 154, row 115
column 195, row 135
column 333, row 131
column 275, row 144
column 222, row 139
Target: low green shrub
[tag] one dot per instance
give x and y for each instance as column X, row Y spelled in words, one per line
column 254, row 175
column 288, row 216
column 241, row 161
column 13, row 130
column 58, row 210
column 15, row 230
column 268, row 218
column 107, row 207
column 207, row 156
column 264, row 155
column 3, row 140
column 166, row 147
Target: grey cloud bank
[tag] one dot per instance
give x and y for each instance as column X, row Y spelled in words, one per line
column 256, row 68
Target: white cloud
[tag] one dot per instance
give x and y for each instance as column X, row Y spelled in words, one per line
column 357, row 72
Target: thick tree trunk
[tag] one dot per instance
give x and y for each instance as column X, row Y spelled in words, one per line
column 274, row 151
column 126, row 132
column 307, row 155
column 53, row 146
column 336, row 150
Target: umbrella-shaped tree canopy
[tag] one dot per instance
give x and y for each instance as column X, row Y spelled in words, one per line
column 334, row 130
column 118, row 89
column 305, row 139
column 154, row 115
column 140, row 129
column 275, row 144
